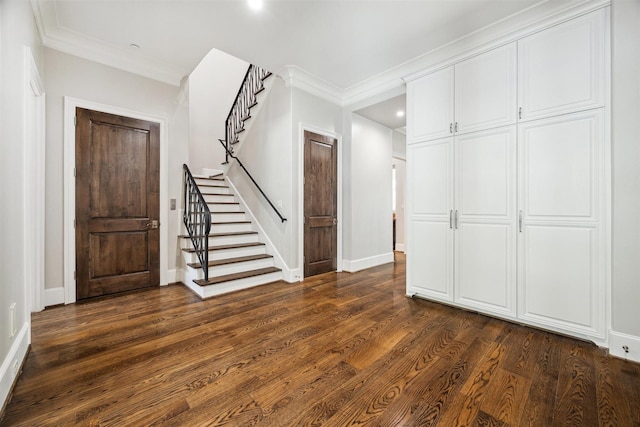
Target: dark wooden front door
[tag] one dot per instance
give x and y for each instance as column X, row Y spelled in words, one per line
column 117, row 204
column 320, row 204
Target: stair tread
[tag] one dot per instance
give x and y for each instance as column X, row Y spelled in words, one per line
column 213, row 186
column 231, row 233
column 236, row 276
column 232, row 246
column 227, row 261
column 230, row 222
column 208, row 178
column 217, row 194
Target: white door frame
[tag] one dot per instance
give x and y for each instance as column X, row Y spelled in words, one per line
column 310, row 128
column 70, row 105
column 34, row 183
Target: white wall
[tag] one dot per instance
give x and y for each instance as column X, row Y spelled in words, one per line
column 401, row 168
column 626, row 168
column 213, row 86
column 75, row 77
column 399, row 153
column 323, row 117
column 17, row 31
column 370, row 175
column 266, row 152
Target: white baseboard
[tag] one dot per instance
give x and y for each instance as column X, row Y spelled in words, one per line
column 171, row 277
column 13, row 361
column 616, row 342
column 400, row 247
column 292, row 276
column 360, row 264
column 53, row 296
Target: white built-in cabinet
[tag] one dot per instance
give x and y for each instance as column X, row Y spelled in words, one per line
column 478, row 93
column 506, row 180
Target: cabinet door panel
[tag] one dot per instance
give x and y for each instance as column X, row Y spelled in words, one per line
column 430, row 106
column 485, row 238
column 560, row 173
column 485, row 164
column 485, row 267
column 429, row 204
column 559, row 283
column 430, row 169
column 430, row 259
column 562, row 69
column 485, row 90
column 561, row 257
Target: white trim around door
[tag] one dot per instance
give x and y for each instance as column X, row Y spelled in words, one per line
column 34, row 183
column 70, row 105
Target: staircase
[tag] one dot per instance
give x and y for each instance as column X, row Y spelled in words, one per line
column 231, row 252
column 237, row 259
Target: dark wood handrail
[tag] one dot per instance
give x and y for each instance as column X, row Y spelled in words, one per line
column 197, row 219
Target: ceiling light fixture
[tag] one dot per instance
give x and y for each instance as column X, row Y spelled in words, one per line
column 400, row 113
column 255, row 4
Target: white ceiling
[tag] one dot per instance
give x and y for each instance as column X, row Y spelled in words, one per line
column 341, row 42
column 385, row 112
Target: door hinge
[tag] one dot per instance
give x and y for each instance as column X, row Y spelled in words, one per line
column 74, row 172
column 75, row 120
column 74, row 275
column 74, row 223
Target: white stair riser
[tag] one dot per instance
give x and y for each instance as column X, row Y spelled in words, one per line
column 217, row 188
column 232, row 240
column 236, row 285
column 191, row 257
column 213, row 198
column 237, row 267
column 206, row 181
column 230, row 228
column 227, row 217
column 214, row 207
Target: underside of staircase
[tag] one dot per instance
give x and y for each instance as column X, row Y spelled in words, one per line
column 237, row 258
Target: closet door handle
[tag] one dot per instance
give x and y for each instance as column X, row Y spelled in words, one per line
column 450, row 127
column 520, row 112
column 451, row 219
column 455, row 218
column 520, row 221
column 456, row 127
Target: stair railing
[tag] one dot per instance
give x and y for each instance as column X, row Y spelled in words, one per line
column 197, row 220
column 251, row 86
column 230, row 154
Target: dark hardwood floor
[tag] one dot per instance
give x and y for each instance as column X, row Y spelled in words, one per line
column 336, row 350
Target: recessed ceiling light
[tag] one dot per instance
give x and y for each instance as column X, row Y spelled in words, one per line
column 255, row 4
column 400, row 113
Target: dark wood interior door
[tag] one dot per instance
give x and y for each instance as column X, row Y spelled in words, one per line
column 320, row 204
column 117, row 204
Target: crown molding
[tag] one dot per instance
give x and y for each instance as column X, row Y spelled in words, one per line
column 298, row 77
column 509, row 29
column 55, row 37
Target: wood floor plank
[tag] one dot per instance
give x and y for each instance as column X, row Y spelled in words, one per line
column 337, row 349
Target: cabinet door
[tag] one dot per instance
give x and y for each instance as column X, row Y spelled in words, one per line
column 429, row 210
column 562, row 69
column 485, row 90
column 430, row 106
column 561, row 244
column 485, row 242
